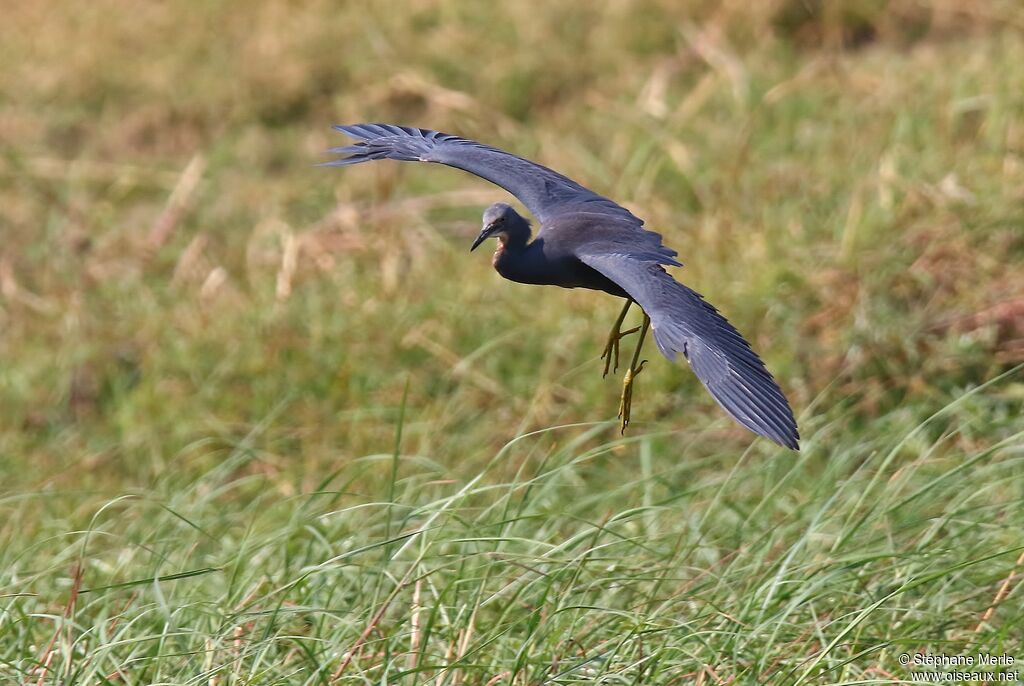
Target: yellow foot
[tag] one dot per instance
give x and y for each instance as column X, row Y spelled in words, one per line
column 626, row 400
column 612, row 350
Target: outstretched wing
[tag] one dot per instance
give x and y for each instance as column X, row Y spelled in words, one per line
column 545, row 193
column 683, row 322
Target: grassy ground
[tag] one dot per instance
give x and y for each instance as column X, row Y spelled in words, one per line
column 270, row 423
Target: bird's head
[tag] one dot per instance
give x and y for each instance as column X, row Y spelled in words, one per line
column 505, row 223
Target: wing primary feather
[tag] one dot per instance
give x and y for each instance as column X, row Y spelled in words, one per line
column 721, row 358
column 763, row 423
column 545, row 192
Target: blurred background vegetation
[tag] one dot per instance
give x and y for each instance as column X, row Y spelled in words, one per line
column 845, row 180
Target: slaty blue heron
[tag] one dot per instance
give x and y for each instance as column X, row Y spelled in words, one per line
column 587, row 241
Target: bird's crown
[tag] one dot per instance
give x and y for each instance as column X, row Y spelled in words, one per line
column 500, row 211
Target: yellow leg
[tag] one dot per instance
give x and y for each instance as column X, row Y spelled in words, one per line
column 612, row 349
column 626, row 401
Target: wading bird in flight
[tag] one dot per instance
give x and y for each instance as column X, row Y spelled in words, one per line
column 587, row 241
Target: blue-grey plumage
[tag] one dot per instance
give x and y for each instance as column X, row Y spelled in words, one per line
column 588, row 241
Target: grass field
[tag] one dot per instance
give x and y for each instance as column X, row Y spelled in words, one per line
column 267, row 423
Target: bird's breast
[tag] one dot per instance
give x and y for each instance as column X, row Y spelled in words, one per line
column 533, row 267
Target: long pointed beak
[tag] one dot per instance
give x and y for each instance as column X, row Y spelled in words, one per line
column 484, row 235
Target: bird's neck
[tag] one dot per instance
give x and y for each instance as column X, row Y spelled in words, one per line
column 513, row 253
column 521, row 262
column 515, row 237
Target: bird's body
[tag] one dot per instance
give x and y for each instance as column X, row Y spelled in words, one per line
column 588, row 241
column 547, row 261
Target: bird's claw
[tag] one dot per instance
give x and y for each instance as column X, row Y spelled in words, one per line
column 611, row 351
column 626, row 400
